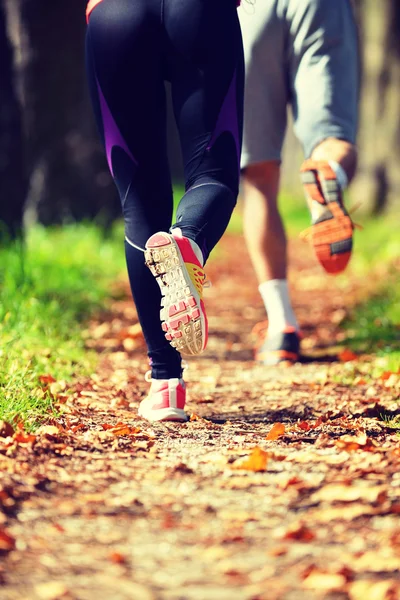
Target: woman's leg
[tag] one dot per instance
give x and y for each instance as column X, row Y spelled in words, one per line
column 204, row 61
column 126, row 82
column 206, row 69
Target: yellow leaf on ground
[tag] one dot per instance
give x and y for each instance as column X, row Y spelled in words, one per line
column 324, row 581
column 374, row 590
column 256, row 461
column 276, row 431
column 48, row 430
column 350, row 493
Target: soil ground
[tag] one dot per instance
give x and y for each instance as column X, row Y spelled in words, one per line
column 100, row 504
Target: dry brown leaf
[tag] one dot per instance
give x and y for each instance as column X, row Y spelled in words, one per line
column 51, row 590
column 346, row 512
column 387, row 375
column 48, row 430
column 120, row 429
column 353, row 443
column 300, row 533
column 324, row 581
column 24, row 438
column 46, row 379
column 194, row 417
column 7, row 542
column 6, row 430
column 256, row 461
column 118, row 558
column 374, row 590
column 276, row 431
column 347, row 355
column 350, row 493
column 303, row 425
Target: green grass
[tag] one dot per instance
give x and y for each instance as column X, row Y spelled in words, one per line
column 374, row 325
column 51, row 287
column 48, row 290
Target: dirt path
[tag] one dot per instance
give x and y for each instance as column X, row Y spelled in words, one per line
column 102, row 505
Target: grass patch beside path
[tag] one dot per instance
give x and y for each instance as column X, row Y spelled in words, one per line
column 374, row 325
column 47, row 291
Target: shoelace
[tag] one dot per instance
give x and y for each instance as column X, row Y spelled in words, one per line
column 306, row 233
column 206, row 282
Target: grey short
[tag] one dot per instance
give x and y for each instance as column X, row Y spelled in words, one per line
column 302, row 53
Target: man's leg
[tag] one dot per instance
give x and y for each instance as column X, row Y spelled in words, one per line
column 263, row 227
column 325, row 89
column 266, row 99
column 266, row 242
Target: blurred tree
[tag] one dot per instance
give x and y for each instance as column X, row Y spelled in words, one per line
column 69, row 178
column 378, row 182
column 12, row 164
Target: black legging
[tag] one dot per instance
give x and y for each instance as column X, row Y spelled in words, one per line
column 133, row 46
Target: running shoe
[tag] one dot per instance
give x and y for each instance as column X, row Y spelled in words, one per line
column 165, row 402
column 172, row 261
column 331, row 228
column 276, row 348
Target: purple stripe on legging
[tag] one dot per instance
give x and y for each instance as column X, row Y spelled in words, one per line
column 112, row 134
column 228, row 119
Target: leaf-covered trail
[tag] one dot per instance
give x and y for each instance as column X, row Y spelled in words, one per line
column 100, row 504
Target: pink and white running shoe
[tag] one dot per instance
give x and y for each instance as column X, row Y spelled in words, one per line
column 165, row 402
column 181, row 278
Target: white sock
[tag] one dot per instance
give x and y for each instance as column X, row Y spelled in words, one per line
column 275, row 294
column 340, row 173
column 195, row 246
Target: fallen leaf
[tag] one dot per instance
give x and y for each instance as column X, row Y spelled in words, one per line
column 48, row 430
column 46, row 379
column 51, row 590
column 350, row 493
column 24, row 438
column 303, row 425
column 117, row 558
column 276, row 431
column 6, row 430
column 300, row 533
column 256, row 461
column 386, row 375
column 347, row 355
column 324, row 581
column 7, row 542
column 374, row 590
column 351, row 443
column 194, row 417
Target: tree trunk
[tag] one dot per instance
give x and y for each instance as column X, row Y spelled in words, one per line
column 378, row 182
column 12, row 163
column 69, row 178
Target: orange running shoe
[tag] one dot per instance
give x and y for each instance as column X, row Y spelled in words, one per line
column 181, row 278
column 331, row 227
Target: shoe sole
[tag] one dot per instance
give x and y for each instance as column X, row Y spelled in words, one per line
column 164, row 414
column 331, row 232
column 182, row 314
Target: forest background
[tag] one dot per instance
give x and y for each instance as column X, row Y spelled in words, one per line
column 52, row 167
